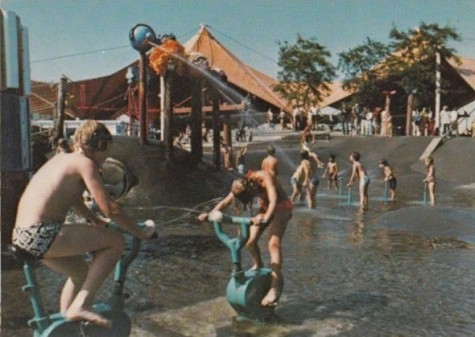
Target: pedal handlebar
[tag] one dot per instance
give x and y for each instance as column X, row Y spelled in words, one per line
column 219, row 217
column 148, row 225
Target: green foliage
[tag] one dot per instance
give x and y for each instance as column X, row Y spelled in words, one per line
column 362, row 60
column 407, row 64
column 413, row 63
column 360, row 66
column 305, row 72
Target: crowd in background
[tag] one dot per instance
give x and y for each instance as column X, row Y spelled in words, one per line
column 363, row 121
column 366, row 122
column 353, row 120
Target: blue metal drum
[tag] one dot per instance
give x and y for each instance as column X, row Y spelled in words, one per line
column 245, row 291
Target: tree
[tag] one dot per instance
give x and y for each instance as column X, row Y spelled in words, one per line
column 407, row 64
column 414, row 61
column 306, row 72
column 363, row 75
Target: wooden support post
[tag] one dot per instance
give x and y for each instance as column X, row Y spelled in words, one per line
column 216, row 132
column 227, row 130
column 168, row 129
column 409, row 108
column 143, row 98
column 196, row 121
column 59, row 113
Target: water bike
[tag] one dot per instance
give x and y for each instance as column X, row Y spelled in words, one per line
column 56, row 325
column 245, row 289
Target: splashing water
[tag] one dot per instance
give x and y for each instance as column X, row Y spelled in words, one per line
column 162, row 218
column 209, row 76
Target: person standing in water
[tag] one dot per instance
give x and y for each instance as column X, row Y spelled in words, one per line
column 359, row 172
column 389, row 178
column 270, row 163
column 332, row 171
column 55, row 189
column 304, row 178
column 300, row 180
column 275, row 211
column 429, row 180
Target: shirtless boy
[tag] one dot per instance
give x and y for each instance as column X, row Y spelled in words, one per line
column 389, row 178
column 359, row 172
column 56, row 188
column 275, row 213
column 304, row 178
column 314, row 181
column 300, row 180
column 332, row 171
column 269, row 164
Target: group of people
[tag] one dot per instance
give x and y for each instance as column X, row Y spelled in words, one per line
column 365, row 122
column 302, row 118
column 304, row 178
column 423, row 123
column 58, row 186
column 448, row 121
column 230, row 162
column 275, row 206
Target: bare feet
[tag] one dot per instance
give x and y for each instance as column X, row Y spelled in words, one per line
column 271, row 299
column 89, row 316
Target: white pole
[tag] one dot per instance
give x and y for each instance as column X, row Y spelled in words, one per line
column 162, row 108
column 437, row 89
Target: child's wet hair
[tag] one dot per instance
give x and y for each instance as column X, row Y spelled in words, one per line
column 271, row 150
column 92, row 136
column 243, row 189
column 356, row 156
column 429, row 160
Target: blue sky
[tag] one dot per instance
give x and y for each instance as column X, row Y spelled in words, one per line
column 89, row 38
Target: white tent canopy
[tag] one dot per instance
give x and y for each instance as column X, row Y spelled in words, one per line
column 329, row 111
column 466, row 118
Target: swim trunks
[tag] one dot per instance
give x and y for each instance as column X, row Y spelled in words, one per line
column 314, row 180
column 285, row 205
column 392, row 183
column 36, row 239
column 294, row 181
column 365, row 182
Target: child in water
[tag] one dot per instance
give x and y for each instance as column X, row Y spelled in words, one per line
column 300, row 180
column 332, row 171
column 274, row 215
column 359, row 172
column 389, row 178
column 430, row 179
